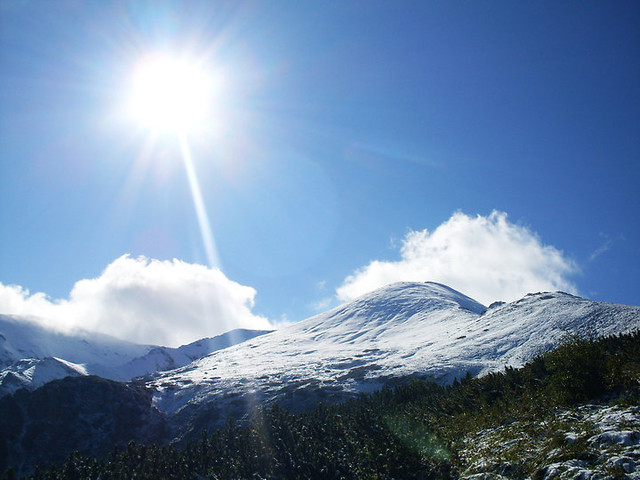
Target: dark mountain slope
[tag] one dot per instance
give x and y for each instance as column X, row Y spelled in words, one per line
column 89, row 414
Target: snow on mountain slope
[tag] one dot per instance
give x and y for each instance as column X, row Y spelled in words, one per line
column 513, row 333
column 402, row 329
column 160, row 359
column 23, row 337
column 31, row 355
column 35, row 372
column 376, row 335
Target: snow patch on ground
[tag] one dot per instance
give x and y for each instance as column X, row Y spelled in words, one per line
column 589, row 442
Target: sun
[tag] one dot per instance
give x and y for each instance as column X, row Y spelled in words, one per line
column 170, row 94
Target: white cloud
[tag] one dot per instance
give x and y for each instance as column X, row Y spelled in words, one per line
column 145, row 301
column 487, row 258
column 18, row 301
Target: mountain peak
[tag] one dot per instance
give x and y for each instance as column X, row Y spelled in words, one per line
column 412, row 297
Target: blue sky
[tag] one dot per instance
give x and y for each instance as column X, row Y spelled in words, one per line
column 492, row 146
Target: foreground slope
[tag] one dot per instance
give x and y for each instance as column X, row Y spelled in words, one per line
column 423, row 329
column 572, row 413
column 86, row 413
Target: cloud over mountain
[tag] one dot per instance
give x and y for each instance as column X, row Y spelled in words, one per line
column 487, row 257
column 146, row 301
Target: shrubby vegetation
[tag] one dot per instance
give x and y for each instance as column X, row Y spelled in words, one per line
column 412, row 431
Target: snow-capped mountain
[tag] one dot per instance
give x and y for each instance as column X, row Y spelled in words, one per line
column 31, row 355
column 34, row 372
column 405, row 329
column 424, row 329
column 25, row 337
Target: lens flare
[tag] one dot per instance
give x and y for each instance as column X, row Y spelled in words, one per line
column 201, row 210
column 169, row 94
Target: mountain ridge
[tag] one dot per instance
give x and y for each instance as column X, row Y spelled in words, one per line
column 419, row 329
column 404, row 330
column 32, row 355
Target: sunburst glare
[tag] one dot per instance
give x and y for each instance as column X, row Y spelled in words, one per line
column 170, row 94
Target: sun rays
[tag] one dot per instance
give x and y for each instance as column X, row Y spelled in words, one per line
column 171, row 96
column 208, row 240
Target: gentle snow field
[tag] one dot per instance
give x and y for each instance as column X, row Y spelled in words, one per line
column 403, row 329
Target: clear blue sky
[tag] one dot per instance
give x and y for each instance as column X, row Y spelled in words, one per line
column 344, row 127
